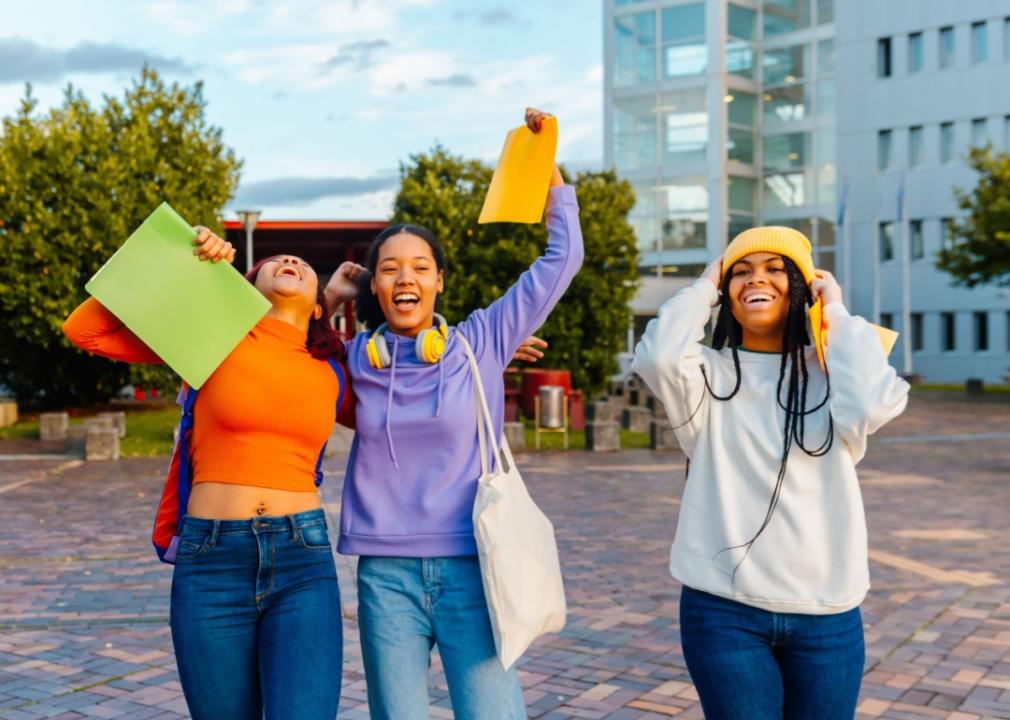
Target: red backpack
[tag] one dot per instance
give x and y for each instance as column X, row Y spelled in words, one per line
column 175, row 495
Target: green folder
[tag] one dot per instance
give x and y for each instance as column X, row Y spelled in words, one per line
column 191, row 313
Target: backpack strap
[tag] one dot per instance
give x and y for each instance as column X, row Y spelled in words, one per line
column 185, row 462
column 338, row 369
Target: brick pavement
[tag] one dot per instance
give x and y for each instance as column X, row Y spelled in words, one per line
column 83, row 607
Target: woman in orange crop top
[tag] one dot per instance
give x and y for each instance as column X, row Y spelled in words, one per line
column 255, row 607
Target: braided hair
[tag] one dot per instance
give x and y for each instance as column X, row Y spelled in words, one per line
column 793, row 374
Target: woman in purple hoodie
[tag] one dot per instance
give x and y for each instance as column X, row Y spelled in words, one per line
column 414, row 465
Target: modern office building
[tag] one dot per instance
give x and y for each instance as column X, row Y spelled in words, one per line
column 806, row 113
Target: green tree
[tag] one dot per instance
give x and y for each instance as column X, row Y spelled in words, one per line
column 74, row 183
column 980, row 251
column 589, row 325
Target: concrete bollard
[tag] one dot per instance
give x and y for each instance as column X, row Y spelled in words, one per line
column 8, row 412
column 601, row 411
column 661, row 436
column 101, row 443
column 53, row 426
column 636, row 419
column 118, row 421
column 77, row 432
column 515, row 434
column 603, row 435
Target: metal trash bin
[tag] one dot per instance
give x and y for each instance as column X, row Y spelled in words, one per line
column 552, row 406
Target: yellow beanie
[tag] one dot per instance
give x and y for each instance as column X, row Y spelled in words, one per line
column 771, row 239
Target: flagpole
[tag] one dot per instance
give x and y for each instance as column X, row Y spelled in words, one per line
column 875, row 239
column 906, row 290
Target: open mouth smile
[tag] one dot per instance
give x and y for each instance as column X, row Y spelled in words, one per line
column 406, row 301
column 757, row 298
column 288, row 270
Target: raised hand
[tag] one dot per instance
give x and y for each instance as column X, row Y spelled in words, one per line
column 210, row 247
column 343, row 286
column 825, row 288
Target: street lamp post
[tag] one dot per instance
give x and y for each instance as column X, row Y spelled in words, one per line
column 249, row 218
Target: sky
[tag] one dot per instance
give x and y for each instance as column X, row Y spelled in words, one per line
column 324, row 99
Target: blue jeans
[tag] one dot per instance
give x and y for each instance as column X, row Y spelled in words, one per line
column 256, row 619
column 748, row 663
column 408, row 605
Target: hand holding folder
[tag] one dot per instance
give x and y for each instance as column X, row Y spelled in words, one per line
column 518, row 191
column 191, row 313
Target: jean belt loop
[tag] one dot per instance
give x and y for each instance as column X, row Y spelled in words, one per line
column 212, row 541
column 296, row 531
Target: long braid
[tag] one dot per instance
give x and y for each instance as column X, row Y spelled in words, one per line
column 793, row 373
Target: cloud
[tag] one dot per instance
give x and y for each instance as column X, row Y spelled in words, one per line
column 359, row 54
column 493, row 16
column 194, row 17
column 411, row 70
column 297, row 191
column 25, row 61
column 457, row 80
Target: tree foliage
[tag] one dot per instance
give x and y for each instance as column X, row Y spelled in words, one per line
column 74, row 183
column 589, row 325
column 980, row 251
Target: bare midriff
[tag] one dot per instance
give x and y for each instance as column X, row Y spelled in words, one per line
column 228, row 501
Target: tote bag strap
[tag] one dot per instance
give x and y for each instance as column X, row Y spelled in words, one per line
column 485, row 428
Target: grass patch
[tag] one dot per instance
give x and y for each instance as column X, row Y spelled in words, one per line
column 577, row 440
column 148, row 428
column 953, row 387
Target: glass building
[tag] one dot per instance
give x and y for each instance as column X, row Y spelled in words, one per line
column 724, row 114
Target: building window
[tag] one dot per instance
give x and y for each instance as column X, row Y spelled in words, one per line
column 915, row 53
column 785, row 65
column 684, row 51
column 979, row 132
column 884, row 57
column 684, row 125
column 786, row 152
column 883, row 149
column 686, row 215
column 784, row 16
column 643, row 219
column 635, row 49
column 741, row 22
column 635, row 133
column 886, row 241
column 887, row 320
column 915, row 146
column 946, row 142
column 979, row 43
column 947, row 233
column 946, row 47
column 948, row 331
column 916, row 247
column 787, row 104
column 825, row 11
column 981, row 323
column 742, row 194
column 916, row 331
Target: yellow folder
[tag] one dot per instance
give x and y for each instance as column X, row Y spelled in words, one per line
column 518, row 189
column 191, row 313
column 816, row 313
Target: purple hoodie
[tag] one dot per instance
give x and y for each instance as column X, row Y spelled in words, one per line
column 413, row 469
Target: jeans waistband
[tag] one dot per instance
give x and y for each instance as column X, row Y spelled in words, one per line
column 257, row 525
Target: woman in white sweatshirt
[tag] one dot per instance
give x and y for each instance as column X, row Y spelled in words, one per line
column 771, row 538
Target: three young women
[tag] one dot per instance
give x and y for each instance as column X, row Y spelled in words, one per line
column 771, row 542
column 255, row 605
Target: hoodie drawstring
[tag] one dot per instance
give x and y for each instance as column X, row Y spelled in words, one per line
column 389, row 404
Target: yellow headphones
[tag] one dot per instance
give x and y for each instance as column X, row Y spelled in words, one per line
column 429, row 345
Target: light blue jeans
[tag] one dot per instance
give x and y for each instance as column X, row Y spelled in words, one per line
column 408, row 605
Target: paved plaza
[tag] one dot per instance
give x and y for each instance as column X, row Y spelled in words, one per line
column 84, row 601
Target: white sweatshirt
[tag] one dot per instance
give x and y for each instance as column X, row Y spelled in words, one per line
column 811, row 558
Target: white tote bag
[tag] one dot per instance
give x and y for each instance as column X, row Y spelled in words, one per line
column 515, row 541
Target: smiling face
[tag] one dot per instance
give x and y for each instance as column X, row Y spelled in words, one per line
column 290, row 282
column 407, row 281
column 759, row 291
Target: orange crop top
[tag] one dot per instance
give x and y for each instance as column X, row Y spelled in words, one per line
column 260, row 419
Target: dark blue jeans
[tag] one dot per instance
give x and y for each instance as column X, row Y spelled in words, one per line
column 256, row 619
column 751, row 664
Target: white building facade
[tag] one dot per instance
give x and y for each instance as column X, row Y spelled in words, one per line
column 809, row 113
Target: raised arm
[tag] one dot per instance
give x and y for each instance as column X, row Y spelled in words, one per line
column 670, row 355
column 93, row 328
column 866, row 392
